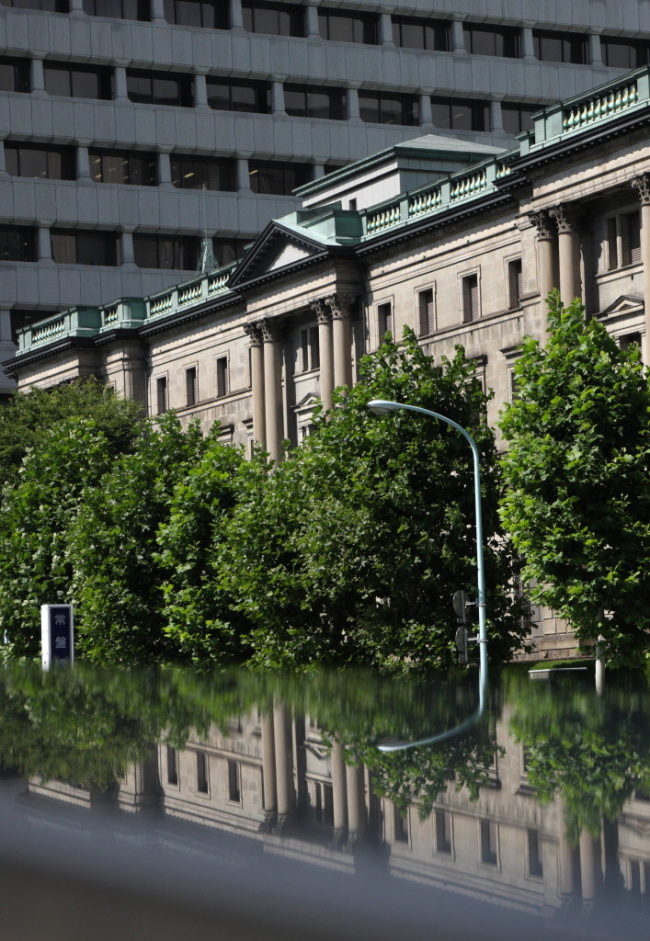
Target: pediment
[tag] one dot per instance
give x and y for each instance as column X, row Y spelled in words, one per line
column 307, row 402
column 623, row 304
column 277, row 248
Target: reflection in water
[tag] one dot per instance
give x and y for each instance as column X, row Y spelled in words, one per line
column 542, row 808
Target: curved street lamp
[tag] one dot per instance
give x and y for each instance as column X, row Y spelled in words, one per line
column 381, row 407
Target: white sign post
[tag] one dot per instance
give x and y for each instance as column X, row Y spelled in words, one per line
column 57, row 635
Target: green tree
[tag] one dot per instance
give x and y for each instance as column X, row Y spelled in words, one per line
column 578, row 474
column 351, row 550
column 29, row 417
column 117, row 575
column 200, row 624
column 36, row 518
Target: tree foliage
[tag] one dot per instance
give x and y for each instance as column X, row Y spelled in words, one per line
column 578, row 476
column 352, row 549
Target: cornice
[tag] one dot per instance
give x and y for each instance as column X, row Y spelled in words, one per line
column 21, row 360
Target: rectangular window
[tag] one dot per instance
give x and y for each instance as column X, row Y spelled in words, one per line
column 191, row 396
column 85, row 247
column 427, row 314
column 560, row 47
column 460, row 115
column 380, row 108
column 535, row 867
column 14, row 74
column 118, row 9
column 175, row 252
column 159, row 88
column 515, row 283
column 202, row 783
column 421, row 34
column 49, row 6
column 385, row 320
column 488, row 843
column 612, row 244
column 483, row 40
column 629, row 340
column 471, row 309
column 401, row 827
column 631, row 238
column 123, row 166
column 45, row 162
column 302, row 101
column 309, row 349
column 17, row 243
column 222, row 376
column 324, row 803
column 276, row 178
column 517, row 118
column 278, row 19
column 624, row 53
column 211, row 15
column 78, row 81
column 172, row 764
column 161, row 395
column 443, row 832
column 338, row 26
column 234, row 786
column 251, row 97
column 213, row 173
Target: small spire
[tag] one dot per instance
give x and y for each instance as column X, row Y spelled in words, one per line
column 207, row 260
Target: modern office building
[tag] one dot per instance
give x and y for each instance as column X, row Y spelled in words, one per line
column 115, row 114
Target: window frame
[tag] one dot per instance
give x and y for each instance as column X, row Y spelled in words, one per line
column 438, row 28
column 129, row 171
column 368, row 23
column 184, row 85
column 66, row 153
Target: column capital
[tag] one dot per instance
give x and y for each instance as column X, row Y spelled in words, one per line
column 543, row 223
column 254, row 332
column 320, row 308
column 566, row 218
column 268, row 329
column 641, row 184
column 341, row 305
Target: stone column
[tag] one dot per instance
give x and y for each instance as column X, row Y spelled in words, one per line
column 566, row 220
column 37, row 77
column 386, row 29
column 283, row 764
column 201, row 91
column 595, row 51
column 272, row 390
column 158, row 11
column 269, row 795
column 356, row 802
column 257, row 382
column 426, row 117
column 82, row 167
column 457, row 36
column 642, row 186
column 339, row 793
column 547, row 275
column 120, row 89
column 243, row 179
column 236, row 15
column 341, row 307
column 324, row 318
column 277, row 98
column 311, row 21
column 528, row 44
column 590, row 873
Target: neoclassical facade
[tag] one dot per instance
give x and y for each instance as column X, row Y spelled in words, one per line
column 459, row 241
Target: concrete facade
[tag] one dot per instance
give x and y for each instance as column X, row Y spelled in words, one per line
column 482, row 76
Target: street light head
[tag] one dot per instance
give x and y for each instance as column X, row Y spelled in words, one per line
column 380, row 407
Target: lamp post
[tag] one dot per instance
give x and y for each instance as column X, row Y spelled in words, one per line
column 381, row 407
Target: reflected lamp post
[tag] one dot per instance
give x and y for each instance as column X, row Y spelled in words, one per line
column 381, row 407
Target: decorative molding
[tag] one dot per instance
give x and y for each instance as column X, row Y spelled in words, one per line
column 543, row 223
column 341, row 304
column 641, row 184
column 320, row 308
column 254, row 332
column 566, row 218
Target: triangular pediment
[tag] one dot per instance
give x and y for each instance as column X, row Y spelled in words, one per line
column 623, row 304
column 276, row 249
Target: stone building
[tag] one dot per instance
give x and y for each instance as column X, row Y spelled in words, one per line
column 114, row 114
column 460, row 241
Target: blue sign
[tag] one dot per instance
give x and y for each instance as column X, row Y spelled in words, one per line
column 57, row 634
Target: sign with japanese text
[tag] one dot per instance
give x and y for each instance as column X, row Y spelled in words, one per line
column 57, row 635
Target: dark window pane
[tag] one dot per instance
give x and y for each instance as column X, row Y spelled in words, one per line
column 160, row 251
column 348, row 27
column 517, row 118
column 275, row 19
column 33, row 160
column 243, row 98
column 160, row 88
column 118, row 9
column 555, row 47
column 196, row 172
column 49, row 6
column 452, row 113
column 77, row 82
column 228, row 250
column 295, row 101
column 57, row 81
column 84, row 247
column 14, row 75
column 17, row 243
column 117, row 166
column 239, row 96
